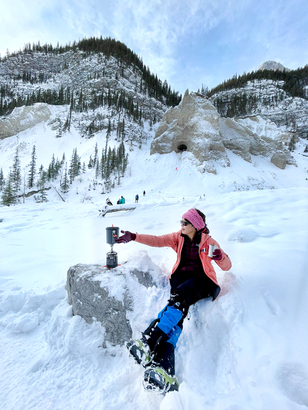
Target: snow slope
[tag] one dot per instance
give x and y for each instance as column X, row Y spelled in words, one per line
column 247, row 350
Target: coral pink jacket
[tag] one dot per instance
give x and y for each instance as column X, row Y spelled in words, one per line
column 175, row 241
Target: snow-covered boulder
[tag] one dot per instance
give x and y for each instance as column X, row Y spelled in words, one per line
column 97, row 293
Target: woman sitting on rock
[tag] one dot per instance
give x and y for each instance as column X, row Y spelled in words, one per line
column 192, row 278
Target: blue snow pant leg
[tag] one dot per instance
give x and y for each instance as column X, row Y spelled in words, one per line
column 169, row 317
column 174, row 334
column 170, row 320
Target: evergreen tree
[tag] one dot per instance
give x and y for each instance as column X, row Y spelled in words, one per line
column 58, row 166
column 90, row 164
column 107, row 137
column 2, row 180
column 103, row 161
column 42, row 178
column 16, row 173
column 97, row 169
column 124, row 164
column 77, row 163
column 107, row 165
column 65, row 183
column 32, row 169
column 75, row 166
column 53, row 167
column 8, row 195
column 95, row 155
column 113, row 160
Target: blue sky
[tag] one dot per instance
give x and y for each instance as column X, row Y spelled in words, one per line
column 186, row 42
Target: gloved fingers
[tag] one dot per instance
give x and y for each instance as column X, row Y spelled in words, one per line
column 217, row 254
column 122, row 239
column 127, row 237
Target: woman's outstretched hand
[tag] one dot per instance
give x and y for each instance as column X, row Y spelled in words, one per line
column 217, row 255
column 127, row 237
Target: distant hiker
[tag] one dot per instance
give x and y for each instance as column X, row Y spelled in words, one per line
column 143, row 193
column 108, row 202
column 137, row 198
column 192, row 278
column 121, row 200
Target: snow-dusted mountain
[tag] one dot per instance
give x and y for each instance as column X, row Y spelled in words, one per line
column 272, row 65
column 278, row 95
column 101, row 82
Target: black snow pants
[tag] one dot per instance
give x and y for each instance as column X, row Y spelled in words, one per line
column 170, row 319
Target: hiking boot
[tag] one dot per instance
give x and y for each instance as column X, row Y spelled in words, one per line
column 140, row 350
column 157, row 379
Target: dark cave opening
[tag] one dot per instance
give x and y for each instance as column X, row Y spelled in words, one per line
column 182, row 147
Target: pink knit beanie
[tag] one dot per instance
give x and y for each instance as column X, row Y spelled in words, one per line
column 194, row 218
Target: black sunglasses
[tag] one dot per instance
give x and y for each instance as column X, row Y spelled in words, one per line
column 185, row 223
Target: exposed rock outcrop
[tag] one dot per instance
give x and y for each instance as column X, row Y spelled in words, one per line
column 23, row 118
column 196, row 126
column 98, row 293
column 191, row 126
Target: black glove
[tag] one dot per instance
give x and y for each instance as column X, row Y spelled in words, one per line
column 127, row 237
column 217, row 255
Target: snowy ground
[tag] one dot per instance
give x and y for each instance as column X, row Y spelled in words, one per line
column 245, row 351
